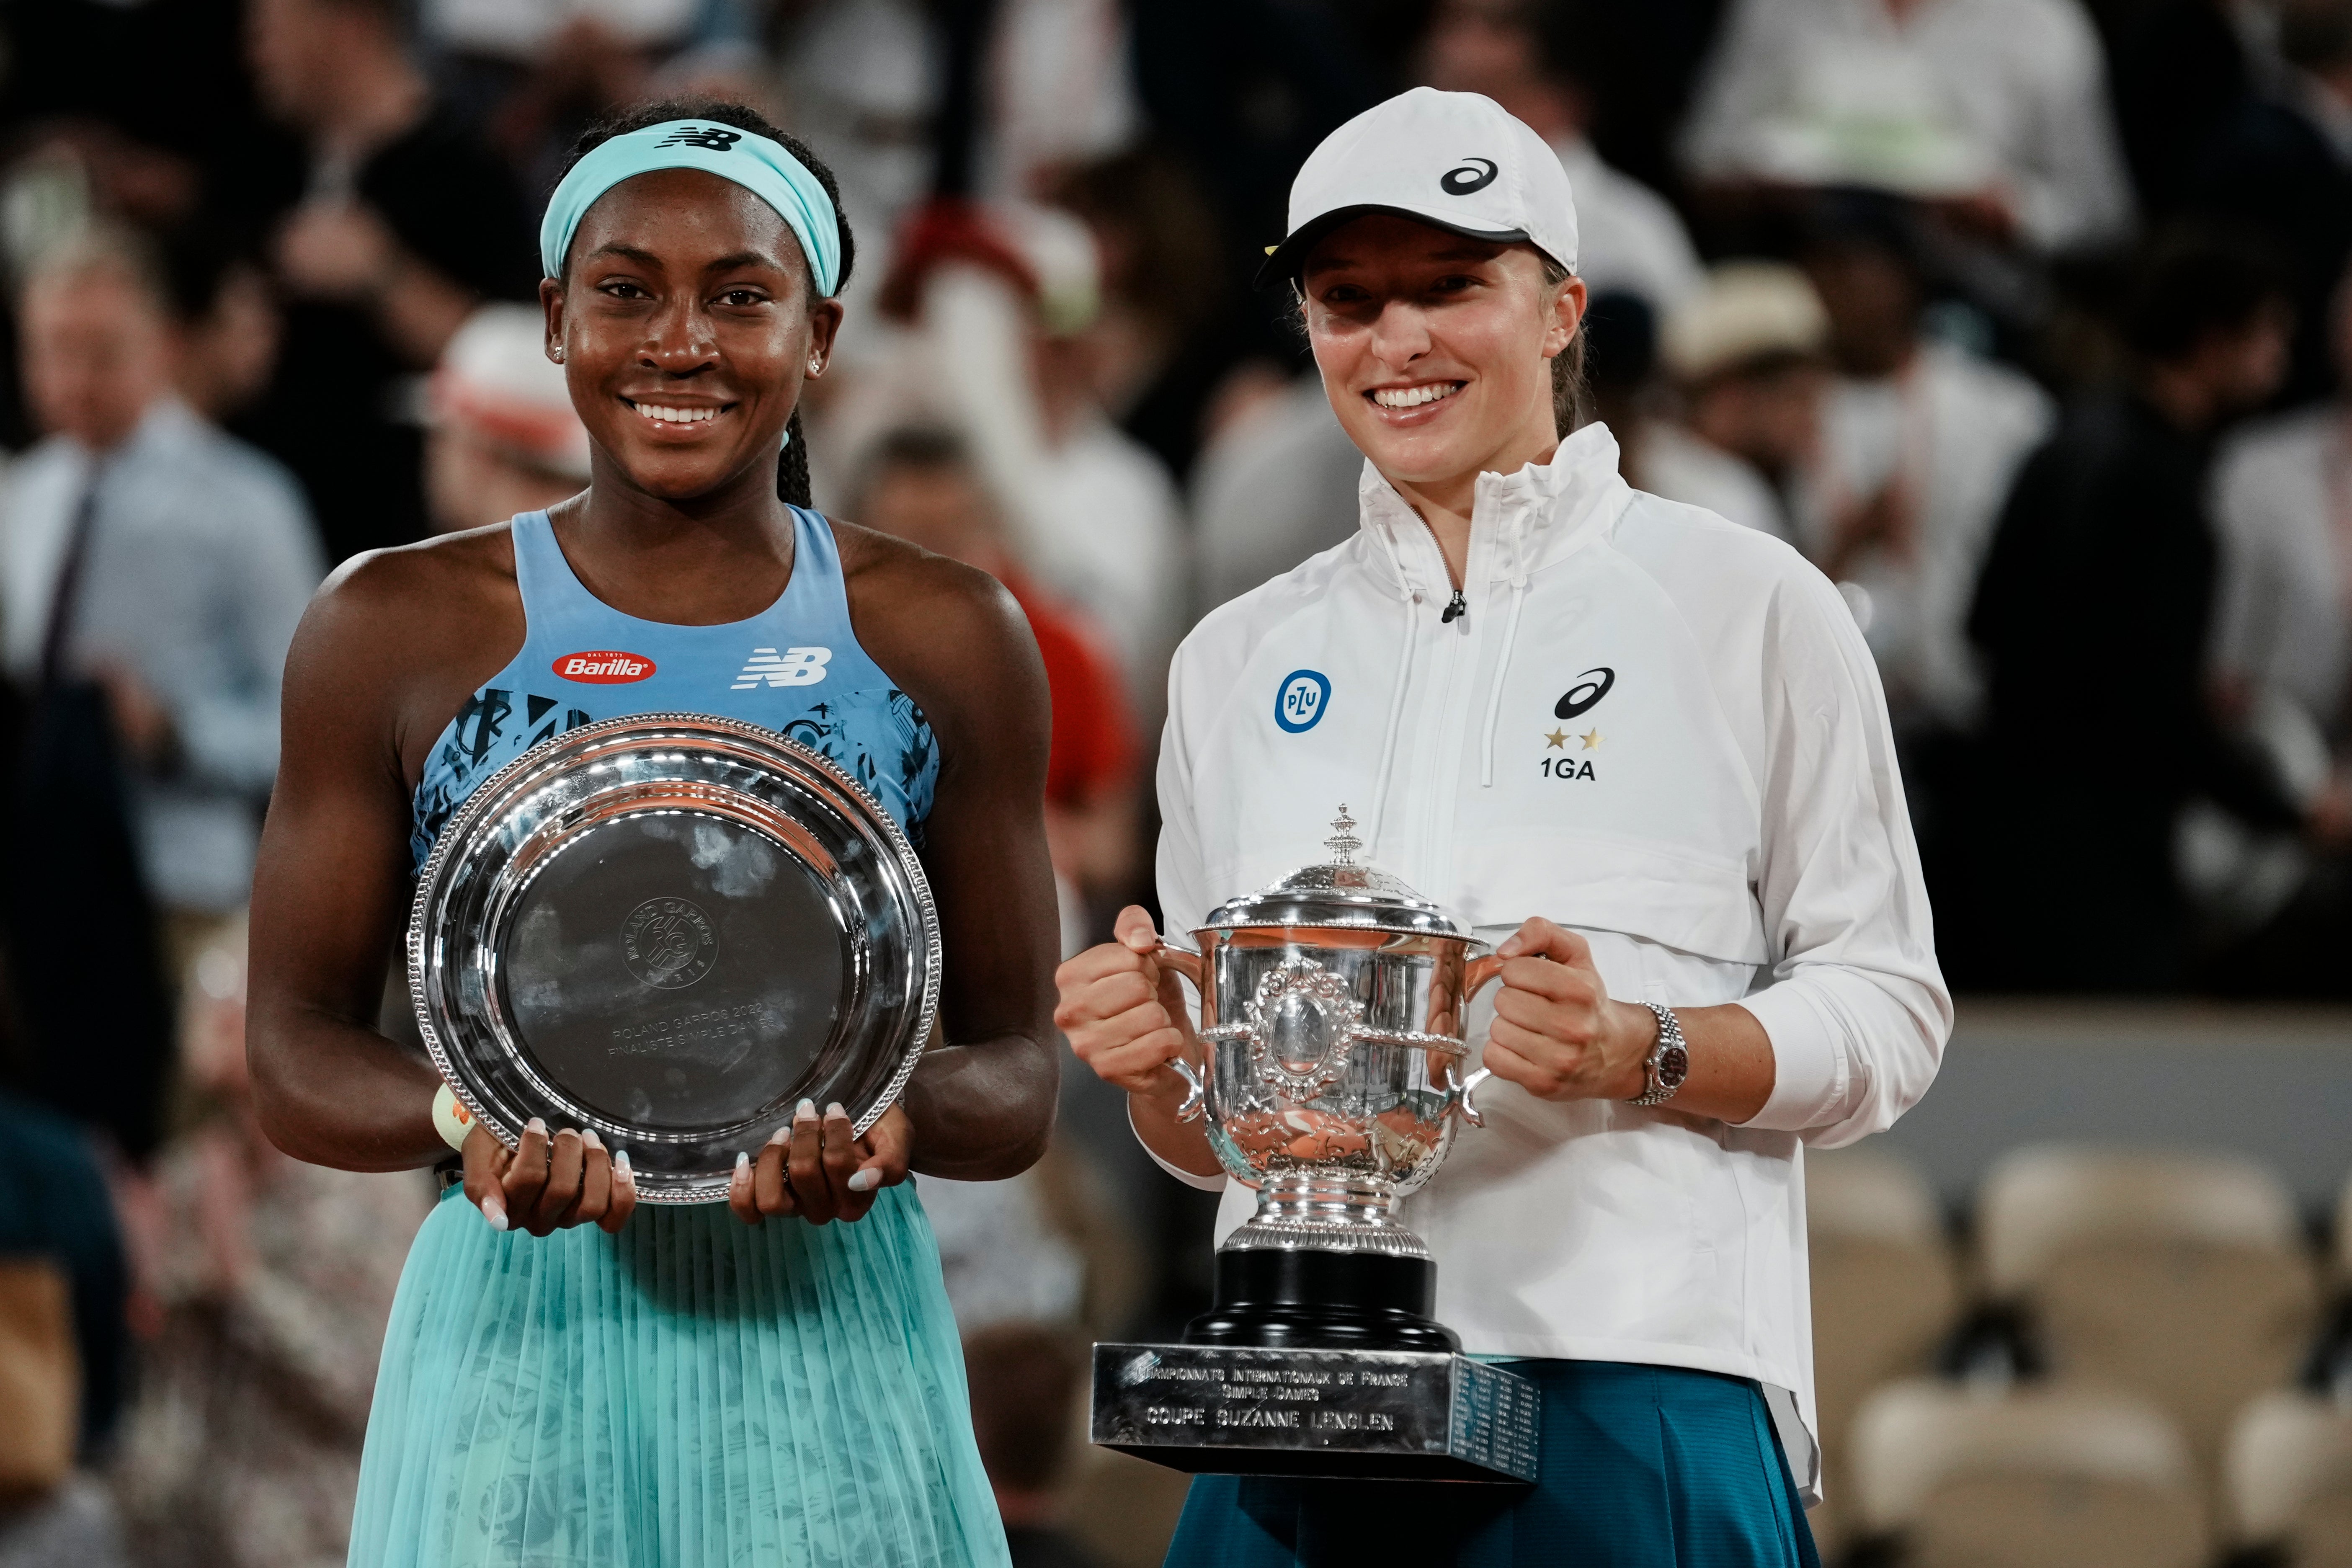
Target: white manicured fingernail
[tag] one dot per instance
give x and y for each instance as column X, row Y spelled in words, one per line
column 622, row 1168
column 865, row 1180
column 807, row 1111
column 782, row 1135
column 835, row 1109
column 536, row 1124
column 743, row 1161
column 495, row 1212
column 588, row 1139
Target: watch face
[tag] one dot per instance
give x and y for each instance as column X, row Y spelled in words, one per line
column 1674, row 1065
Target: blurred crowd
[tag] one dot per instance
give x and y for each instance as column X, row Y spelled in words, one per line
column 2027, row 321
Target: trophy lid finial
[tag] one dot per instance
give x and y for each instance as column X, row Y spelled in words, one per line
column 1343, row 842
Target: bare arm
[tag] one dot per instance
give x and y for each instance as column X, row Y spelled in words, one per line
column 331, row 886
column 330, row 889
column 982, row 1104
column 1125, row 1017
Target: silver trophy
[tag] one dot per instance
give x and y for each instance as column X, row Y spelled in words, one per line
column 1334, row 1004
column 673, row 928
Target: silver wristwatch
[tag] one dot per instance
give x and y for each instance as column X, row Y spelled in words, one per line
column 1668, row 1062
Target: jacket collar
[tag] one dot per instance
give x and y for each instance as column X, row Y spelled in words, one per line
column 1519, row 524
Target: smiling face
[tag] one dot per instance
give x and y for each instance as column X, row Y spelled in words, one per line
column 1435, row 350
column 687, row 324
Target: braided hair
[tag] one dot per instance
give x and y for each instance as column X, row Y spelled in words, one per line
column 792, row 467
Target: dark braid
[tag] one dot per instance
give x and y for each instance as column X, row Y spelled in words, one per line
column 791, row 466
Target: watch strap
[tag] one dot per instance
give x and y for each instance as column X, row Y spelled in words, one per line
column 1668, row 1063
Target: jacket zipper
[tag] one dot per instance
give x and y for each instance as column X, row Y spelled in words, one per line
column 1457, row 606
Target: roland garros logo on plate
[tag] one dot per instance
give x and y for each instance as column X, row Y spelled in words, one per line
column 603, row 667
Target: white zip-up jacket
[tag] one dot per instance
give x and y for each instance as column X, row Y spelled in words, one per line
column 1662, row 730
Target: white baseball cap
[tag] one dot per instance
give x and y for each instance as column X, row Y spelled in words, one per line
column 1454, row 159
column 495, row 380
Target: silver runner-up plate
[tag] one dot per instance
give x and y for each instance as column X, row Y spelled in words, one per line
column 673, row 928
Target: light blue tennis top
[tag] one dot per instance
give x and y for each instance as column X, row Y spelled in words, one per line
column 797, row 667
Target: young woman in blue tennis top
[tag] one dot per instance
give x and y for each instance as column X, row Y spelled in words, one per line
column 568, row 1380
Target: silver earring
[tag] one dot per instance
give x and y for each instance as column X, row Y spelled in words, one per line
column 559, row 356
column 816, row 367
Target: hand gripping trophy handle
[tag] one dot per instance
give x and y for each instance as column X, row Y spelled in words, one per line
column 1194, row 968
column 1474, row 980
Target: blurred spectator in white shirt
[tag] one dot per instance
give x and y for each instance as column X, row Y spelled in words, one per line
column 1057, row 89
column 524, row 30
column 199, row 560
column 1747, row 354
column 921, row 486
column 1921, row 439
column 1995, row 109
column 990, row 303
column 1627, row 238
column 503, row 438
column 2282, row 623
column 863, row 79
column 1272, row 489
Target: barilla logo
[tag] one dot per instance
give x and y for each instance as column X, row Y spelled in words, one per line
column 603, row 667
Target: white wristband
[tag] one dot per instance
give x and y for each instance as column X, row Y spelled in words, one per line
column 450, row 1117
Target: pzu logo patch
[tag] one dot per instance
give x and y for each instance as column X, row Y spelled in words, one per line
column 1299, row 701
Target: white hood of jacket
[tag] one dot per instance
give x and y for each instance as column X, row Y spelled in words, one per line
column 1651, row 726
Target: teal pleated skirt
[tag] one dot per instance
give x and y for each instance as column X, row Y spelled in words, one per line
column 693, row 1393
column 1640, row 1467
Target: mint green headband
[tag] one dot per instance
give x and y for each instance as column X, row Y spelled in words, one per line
column 757, row 165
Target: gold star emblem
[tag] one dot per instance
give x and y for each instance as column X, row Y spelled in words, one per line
column 1591, row 738
column 1557, row 738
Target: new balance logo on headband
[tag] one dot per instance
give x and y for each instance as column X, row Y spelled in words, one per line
column 712, row 138
column 793, row 667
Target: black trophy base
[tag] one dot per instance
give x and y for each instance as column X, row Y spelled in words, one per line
column 1358, row 1414
column 1303, row 1298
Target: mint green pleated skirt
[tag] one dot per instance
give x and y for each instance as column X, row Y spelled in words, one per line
column 691, row 1394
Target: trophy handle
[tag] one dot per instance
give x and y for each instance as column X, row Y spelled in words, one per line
column 1196, row 1092
column 1478, row 973
column 1458, row 1091
column 1194, row 968
column 1184, row 962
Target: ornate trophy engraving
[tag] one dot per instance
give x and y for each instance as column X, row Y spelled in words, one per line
column 672, row 929
column 1333, row 1004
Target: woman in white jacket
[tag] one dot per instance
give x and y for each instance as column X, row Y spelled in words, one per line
column 1645, row 750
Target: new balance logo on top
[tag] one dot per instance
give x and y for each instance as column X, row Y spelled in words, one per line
column 793, row 667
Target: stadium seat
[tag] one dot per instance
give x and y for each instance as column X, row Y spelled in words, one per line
column 2034, row 1477
column 2289, row 1473
column 2183, row 1276
column 1886, row 1290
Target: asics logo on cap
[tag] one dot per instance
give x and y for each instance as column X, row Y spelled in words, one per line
column 793, row 667
column 1469, row 178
